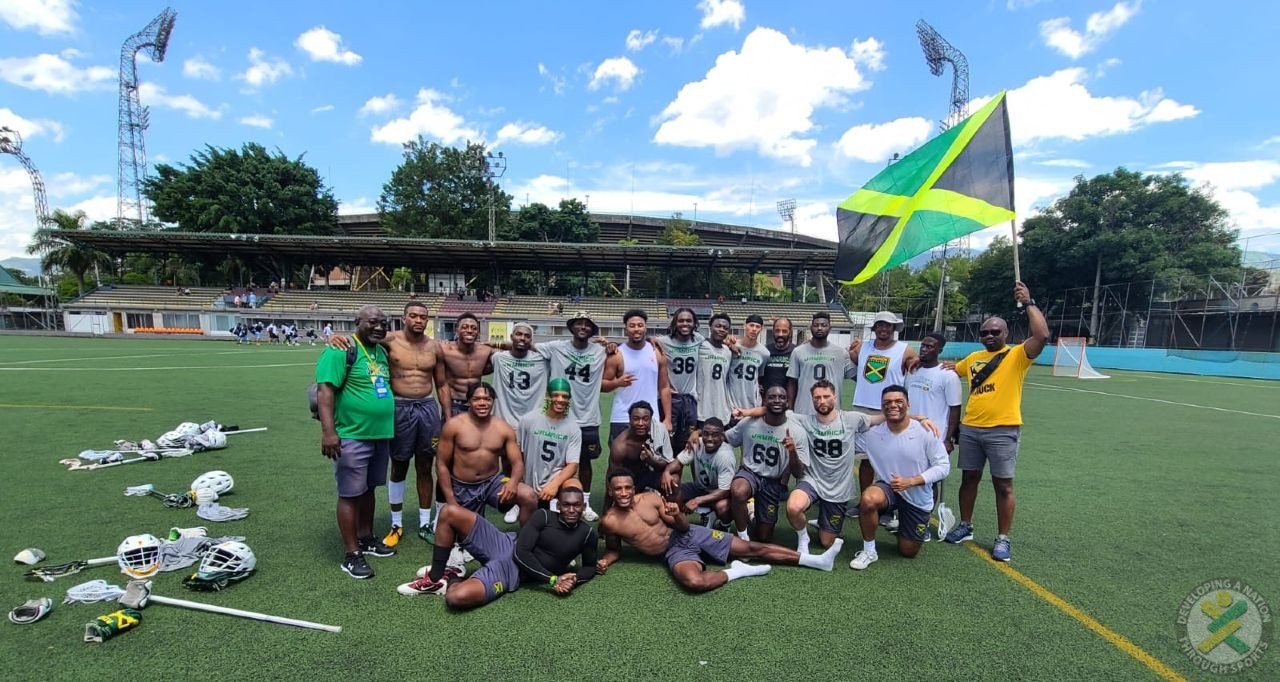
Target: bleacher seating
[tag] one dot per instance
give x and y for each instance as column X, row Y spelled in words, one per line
column 798, row 313
column 122, row 297
column 391, row 302
column 452, row 307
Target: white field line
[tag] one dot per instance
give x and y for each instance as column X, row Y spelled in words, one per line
column 1258, row 383
column 1154, row 400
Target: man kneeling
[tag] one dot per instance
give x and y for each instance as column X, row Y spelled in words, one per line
column 540, row 554
column 658, row 527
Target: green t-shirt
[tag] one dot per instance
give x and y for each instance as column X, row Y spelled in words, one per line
column 358, row 412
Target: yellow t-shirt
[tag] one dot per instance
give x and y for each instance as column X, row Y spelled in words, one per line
column 998, row 401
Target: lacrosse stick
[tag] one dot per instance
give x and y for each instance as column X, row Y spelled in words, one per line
column 50, row 573
column 147, row 456
column 138, row 595
column 233, row 433
column 191, row 498
column 93, row 592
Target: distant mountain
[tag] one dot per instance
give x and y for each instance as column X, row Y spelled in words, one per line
column 1260, row 259
column 923, row 259
column 28, row 266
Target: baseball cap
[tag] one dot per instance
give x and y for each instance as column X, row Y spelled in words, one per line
column 886, row 316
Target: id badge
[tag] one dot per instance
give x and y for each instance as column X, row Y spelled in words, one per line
column 380, row 389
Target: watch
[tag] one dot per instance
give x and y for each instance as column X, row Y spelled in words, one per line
column 1031, row 303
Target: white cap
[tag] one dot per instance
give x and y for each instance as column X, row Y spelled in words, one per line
column 886, row 316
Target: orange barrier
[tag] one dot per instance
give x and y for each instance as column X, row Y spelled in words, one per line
column 168, row 330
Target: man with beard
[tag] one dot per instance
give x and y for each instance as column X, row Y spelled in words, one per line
column 472, row 448
column 680, row 344
column 655, row 527
column 541, row 553
column 638, row 371
column 551, row 443
column 714, row 357
column 644, row 448
column 466, row 362
column 814, row 361
column 770, row 454
column 357, row 421
column 746, row 369
column 520, row 376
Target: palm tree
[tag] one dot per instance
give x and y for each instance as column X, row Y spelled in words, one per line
column 59, row 255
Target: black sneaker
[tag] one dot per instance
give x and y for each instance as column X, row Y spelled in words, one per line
column 355, row 566
column 375, row 547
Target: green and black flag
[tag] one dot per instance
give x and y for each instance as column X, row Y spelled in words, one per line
column 956, row 183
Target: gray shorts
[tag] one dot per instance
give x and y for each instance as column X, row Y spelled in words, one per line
column 362, row 466
column 769, row 493
column 860, row 439
column 474, row 496
column 697, row 542
column 912, row 520
column 417, row 428
column 458, row 406
column 496, row 550
column 830, row 514
column 997, row 445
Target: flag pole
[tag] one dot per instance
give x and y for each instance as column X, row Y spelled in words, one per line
column 1017, row 269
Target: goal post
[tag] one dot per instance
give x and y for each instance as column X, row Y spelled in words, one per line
column 1070, row 360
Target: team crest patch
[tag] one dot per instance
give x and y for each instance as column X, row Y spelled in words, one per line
column 874, row 370
column 920, row 529
column 717, row 534
column 497, row 587
column 836, row 519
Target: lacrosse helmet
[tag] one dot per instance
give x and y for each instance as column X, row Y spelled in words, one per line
column 218, row 481
column 223, row 563
column 188, row 429
column 209, row 440
column 172, row 439
column 139, row 555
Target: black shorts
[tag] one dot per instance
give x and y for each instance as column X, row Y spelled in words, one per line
column 912, row 520
column 590, row 443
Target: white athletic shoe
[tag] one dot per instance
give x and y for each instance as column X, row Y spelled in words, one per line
column 589, row 515
column 512, row 515
column 863, row 559
column 889, row 522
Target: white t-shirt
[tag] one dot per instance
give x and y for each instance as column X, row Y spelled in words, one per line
column 914, row 452
column 932, row 392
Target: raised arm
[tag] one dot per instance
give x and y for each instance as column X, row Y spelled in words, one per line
column 1035, row 319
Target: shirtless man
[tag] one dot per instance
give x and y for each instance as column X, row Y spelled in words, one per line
column 469, row 464
column 657, row 527
column 465, row 362
column 644, row 448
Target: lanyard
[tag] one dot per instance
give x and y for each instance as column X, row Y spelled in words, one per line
column 373, row 365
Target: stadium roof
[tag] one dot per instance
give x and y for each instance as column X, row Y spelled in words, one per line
column 10, row 285
column 450, row 254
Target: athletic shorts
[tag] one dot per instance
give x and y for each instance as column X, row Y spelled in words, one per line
column 645, row 478
column 457, row 407
column 684, row 418
column 616, row 429
column 997, row 445
column 913, row 521
column 860, row 439
column 690, row 490
column 496, row 550
column 590, row 443
column 769, row 494
column 697, row 542
column 474, row 496
column 361, row 466
column 830, row 514
column 417, row 428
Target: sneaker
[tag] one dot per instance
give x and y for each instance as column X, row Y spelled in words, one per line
column 451, row 572
column 512, row 515
column 813, row 523
column 424, row 585
column 1000, row 551
column 889, row 522
column 863, row 559
column 393, row 536
column 852, row 511
column 589, row 515
column 751, row 510
column 355, row 566
column 372, row 546
column 962, row 532
column 426, row 533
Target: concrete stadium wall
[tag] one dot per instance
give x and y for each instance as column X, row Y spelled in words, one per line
column 1215, row 363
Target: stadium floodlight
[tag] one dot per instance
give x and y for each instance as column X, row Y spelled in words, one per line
column 152, row 42
column 11, row 143
column 495, row 165
column 937, row 53
column 787, row 211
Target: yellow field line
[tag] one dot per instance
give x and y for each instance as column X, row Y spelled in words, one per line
column 1116, row 639
column 78, row 407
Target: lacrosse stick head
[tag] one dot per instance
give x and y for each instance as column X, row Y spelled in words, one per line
column 188, row 429
column 139, row 490
column 139, row 555
column 218, row 481
column 136, row 594
column 203, row 496
column 223, row 563
column 946, row 520
column 92, row 592
column 172, row 439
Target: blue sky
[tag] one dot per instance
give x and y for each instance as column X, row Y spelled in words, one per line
column 652, row 107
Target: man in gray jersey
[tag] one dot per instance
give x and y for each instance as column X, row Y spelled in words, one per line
column 814, row 361
column 714, row 357
column 908, row 459
column 713, row 469
column 747, row 367
column 551, row 443
column 680, row 344
column 520, row 376
column 770, row 454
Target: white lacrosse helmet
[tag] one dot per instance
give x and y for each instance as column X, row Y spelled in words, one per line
column 225, row 558
column 218, row 481
column 172, row 439
column 209, row 440
column 139, row 555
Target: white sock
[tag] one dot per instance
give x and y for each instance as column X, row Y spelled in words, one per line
column 424, row 517
column 738, row 569
column 437, row 516
column 802, row 541
column 869, row 546
column 397, row 518
column 743, row 534
column 395, row 492
column 825, row 561
column 586, row 499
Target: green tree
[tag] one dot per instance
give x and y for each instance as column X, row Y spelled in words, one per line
column 60, row 256
column 442, row 192
column 568, row 223
column 990, row 282
column 247, row 191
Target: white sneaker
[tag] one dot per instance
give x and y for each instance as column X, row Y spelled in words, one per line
column 512, row 515
column 863, row 559
column 889, row 522
column 589, row 515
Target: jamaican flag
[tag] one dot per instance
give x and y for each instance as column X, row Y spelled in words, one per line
column 956, row 183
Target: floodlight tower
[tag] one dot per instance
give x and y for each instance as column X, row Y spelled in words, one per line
column 495, row 165
column 11, row 143
column 787, row 211
column 152, row 41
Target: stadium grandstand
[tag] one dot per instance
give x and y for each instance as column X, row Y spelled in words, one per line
column 626, row 243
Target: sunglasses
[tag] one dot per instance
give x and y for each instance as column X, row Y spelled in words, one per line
column 989, row 332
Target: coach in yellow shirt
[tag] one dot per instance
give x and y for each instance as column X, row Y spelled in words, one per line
column 992, row 424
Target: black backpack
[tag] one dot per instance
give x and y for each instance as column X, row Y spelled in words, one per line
column 314, row 388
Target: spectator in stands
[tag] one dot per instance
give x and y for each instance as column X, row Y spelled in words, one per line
column 315, row 305
column 253, row 299
column 236, row 301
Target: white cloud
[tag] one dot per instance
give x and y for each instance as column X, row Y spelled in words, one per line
column 154, row 95
column 48, row 17
column 720, row 12
column 200, row 68
column 638, row 40
column 378, row 106
column 875, row 143
column 676, row 43
column 356, row 206
column 763, row 97
column 869, row 53
column 29, row 128
column 1059, row 35
column 1060, row 106
column 17, row 207
column 527, row 133
column 68, row 184
column 258, row 121
column 324, row 45
column 557, row 82
column 1014, row 5
column 1106, row 66
column 101, row 207
column 620, row 70
column 1064, row 163
column 1230, row 183
column 54, row 74
column 430, row 119
column 264, row 70
column 322, row 109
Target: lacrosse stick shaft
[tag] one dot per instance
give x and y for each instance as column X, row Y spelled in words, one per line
column 232, row 433
column 252, row 615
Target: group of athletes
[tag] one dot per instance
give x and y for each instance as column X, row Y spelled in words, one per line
column 744, row 415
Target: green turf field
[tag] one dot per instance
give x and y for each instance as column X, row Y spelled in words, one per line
column 1127, row 500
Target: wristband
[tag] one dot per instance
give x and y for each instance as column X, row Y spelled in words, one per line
column 554, row 578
